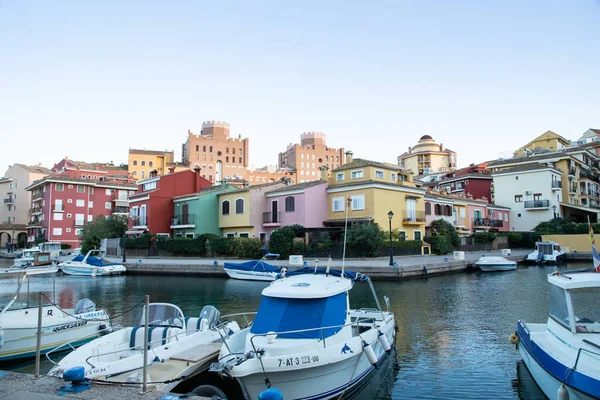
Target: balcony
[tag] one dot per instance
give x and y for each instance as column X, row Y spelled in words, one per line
column 480, row 222
column 120, row 210
column 183, row 221
column 272, row 219
column 556, row 185
column 36, row 210
column 537, row 204
column 119, row 199
column 496, row 223
column 140, row 221
column 9, row 200
column 414, row 217
column 572, row 172
column 34, row 223
column 459, row 222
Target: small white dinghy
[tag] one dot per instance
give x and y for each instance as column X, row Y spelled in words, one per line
column 90, row 265
column 492, row 264
column 177, row 346
column 19, row 323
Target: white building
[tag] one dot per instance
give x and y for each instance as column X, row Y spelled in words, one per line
column 532, row 192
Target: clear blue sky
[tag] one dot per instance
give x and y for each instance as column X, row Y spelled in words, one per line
column 89, row 80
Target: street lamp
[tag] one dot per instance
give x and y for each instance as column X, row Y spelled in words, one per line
column 554, row 211
column 390, row 216
column 123, row 247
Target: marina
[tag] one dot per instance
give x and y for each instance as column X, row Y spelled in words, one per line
column 453, row 332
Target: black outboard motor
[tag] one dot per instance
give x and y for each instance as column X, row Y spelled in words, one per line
column 85, row 306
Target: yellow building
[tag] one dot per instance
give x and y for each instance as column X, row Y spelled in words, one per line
column 142, row 162
column 548, row 140
column 369, row 190
column 428, row 157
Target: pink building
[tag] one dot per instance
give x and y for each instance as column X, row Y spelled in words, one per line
column 301, row 204
column 499, row 217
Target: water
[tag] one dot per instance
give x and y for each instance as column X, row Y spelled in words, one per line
column 453, row 330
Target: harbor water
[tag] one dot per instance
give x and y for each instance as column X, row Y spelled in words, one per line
column 453, row 333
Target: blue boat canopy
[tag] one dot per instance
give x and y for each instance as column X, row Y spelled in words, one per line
column 94, row 261
column 259, row 266
column 355, row 276
column 277, row 314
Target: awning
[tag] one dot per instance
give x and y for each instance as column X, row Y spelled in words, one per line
column 134, row 232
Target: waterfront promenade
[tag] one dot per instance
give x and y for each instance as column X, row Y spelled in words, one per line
column 377, row 268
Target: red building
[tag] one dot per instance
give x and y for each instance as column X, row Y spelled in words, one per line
column 474, row 181
column 151, row 208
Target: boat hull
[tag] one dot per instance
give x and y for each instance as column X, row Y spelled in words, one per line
column 251, row 275
column 497, row 267
column 86, row 270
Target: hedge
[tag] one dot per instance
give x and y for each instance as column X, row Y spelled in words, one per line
column 142, row 242
column 440, row 244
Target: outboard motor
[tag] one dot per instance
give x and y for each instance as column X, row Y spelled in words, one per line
column 85, row 306
column 540, row 257
column 209, row 317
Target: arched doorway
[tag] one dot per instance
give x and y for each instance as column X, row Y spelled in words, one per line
column 5, row 238
column 22, row 240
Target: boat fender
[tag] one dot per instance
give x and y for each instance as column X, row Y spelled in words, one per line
column 209, row 391
column 368, row 350
column 102, row 327
column 74, row 374
column 1, row 338
column 513, row 339
column 562, row 393
column 425, row 270
column 384, row 341
column 270, row 394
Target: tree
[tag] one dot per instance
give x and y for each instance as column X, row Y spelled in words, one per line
column 365, row 240
column 439, row 227
column 282, row 240
column 101, row 228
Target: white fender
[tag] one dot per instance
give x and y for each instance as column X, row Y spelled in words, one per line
column 370, row 353
column 385, row 343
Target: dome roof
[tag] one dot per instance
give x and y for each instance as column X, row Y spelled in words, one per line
column 426, row 137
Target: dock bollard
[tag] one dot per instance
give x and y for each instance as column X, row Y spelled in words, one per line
column 270, row 394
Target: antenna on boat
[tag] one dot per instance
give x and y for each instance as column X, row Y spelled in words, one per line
column 316, row 265
column 349, row 203
column 328, row 266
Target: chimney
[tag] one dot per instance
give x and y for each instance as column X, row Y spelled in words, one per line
column 441, row 146
column 410, row 150
column 197, row 179
column 349, row 157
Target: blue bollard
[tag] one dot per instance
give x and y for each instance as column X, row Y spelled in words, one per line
column 74, row 374
column 270, row 394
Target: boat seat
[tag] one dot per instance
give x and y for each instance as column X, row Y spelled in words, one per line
column 192, row 324
column 157, row 336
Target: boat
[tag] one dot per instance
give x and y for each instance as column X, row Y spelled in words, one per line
column 546, row 252
column 563, row 355
column 19, row 322
column 491, row 264
column 54, row 248
column 256, row 270
column 178, row 347
column 305, row 340
column 90, row 265
column 31, row 260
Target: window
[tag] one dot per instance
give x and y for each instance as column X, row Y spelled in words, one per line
column 302, row 156
column 227, row 150
column 558, row 305
column 143, row 163
column 393, row 176
column 57, row 231
column 358, row 202
column 437, row 209
column 227, row 159
column 58, row 216
column 134, row 172
column 79, row 219
column 239, row 206
column 58, row 206
column 197, row 147
column 290, row 204
column 225, row 207
column 107, row 205
column 506, row 217
column 356, row 174
column 427, row 208
column 150, row 163
column 339, row 176
column 244, row 235
column 59, row 187
column 402, row 235
column 134, row 162
column 519, row 215
column 459, row 185
column 108, row 192
column 143, row 174
column 516, row 178
column 210, row 149
column 230, row 235
column 91, row 217
column 210, row 178
column 337, row 204
column 584, row 301
column 80, row 203
column 70, row 186
column 417, row 235
column 91, row 190
column 204, row 149
column 518, row 198
column 78, row 231
column 379, row 174
column 240, row 160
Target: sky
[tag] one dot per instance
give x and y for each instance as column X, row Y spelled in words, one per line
column 89, row 80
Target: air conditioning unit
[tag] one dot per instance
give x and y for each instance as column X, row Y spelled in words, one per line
column 529, row 192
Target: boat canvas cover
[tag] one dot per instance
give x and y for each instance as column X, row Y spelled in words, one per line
column 259, row 266
column 355, row 276
column 94, row 261
column 281, row 315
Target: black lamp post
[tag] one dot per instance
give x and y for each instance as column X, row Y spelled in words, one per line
column 123, row 248
column 554, row 211
column 390, row 216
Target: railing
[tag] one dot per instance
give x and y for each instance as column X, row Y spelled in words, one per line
column 572, row 171
column 271, row 217
column 120, row 210
column 8, row 200
column 139, row 220
column 556, row 184
column 585, row 174
column 480, row 222
column 414, row 216
column 496, row 223
column 537, row 204
column 183, row 219
column 36, row 210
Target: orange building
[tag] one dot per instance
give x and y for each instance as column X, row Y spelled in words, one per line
column 306, row 158
column 219, row 156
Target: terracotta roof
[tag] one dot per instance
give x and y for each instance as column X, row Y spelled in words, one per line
column 261, row 186
column 92, row 166
column 35, row 168
column 210, row 189
column 560, row 153
column 371, row 182
column 359, row 162
column 596, row 131
column 525, row 167
column 299, row 186
column 150, row 152
column 55, row 178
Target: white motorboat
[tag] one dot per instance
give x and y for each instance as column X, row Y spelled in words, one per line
column 305, row 340
column 90, row 265
column 178, row 346
column 563, row 355
column 256, row 270
column 19, row 323
column 491, row 264
column 546, row 252
column 31, row 260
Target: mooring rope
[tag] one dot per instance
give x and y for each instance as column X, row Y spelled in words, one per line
column 109, row 318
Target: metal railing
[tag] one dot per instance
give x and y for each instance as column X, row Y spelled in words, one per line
column 556, row 184
column 183, row 219
column 9, row 200
column 36, row 210
column 496, row 223
column 271, row 217
column 140, row 220
column 414, row 216
column 537, row 204
column 120, row 210
column 480, row 222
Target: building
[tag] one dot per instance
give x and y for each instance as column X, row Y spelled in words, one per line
column 197, row 213
column 141, row 162
column 427, row 157
column 218, row 155
column 307, row 157
column 241, row 212
column 92, row 171
column 475, row 181
column 548, row 141
column 62, row 203
column 368, row 190
column 151, row 208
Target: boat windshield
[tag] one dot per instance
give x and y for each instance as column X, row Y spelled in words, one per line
column 558, row 306
column 287, row 314
column 162, row 314
column 52, row 246
column 585, row 309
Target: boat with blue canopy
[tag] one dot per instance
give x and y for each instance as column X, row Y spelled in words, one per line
column 256, row 270
column 90, row 265
column 306, row 341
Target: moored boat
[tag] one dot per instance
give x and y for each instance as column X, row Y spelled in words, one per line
column 90, row 265
column 546, row 252
column 492, row 264
column 256, row 270
column 31, row 260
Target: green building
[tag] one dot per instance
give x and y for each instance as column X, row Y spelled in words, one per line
column 198, row 213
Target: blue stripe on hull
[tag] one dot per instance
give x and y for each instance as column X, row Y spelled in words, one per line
column 575, row 380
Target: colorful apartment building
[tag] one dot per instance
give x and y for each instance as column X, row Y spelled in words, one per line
column 307, row 157
column 151, row 208
column 474, row 180
column 140, row 163
column 548, row 141
column 92, row 171
column 427, row 157
column 197, row 213
column 368, row 190
column 241, row 212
